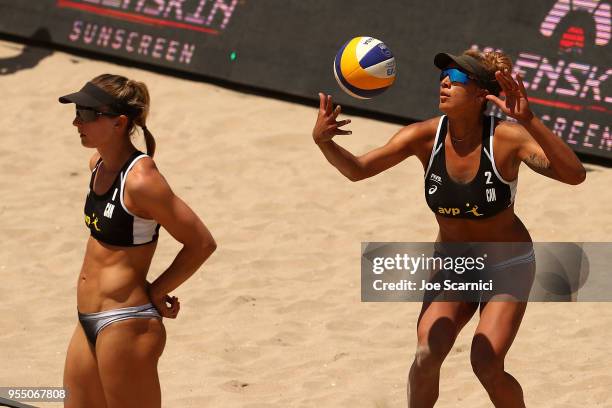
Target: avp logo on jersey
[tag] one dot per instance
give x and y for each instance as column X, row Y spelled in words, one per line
column 473, row 210
column 449, row 210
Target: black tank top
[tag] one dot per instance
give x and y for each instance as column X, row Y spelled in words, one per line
column 484, row 196
column 107, row 217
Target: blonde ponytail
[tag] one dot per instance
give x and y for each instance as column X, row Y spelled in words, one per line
column 149, row 141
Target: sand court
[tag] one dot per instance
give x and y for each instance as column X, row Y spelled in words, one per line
column 274, row 318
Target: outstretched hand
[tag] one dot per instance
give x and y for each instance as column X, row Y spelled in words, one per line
column 516, row 104
column 327, row 126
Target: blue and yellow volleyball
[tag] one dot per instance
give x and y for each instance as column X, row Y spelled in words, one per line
column 364, row 67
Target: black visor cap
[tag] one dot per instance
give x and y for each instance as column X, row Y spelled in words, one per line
column 91, row 96
column 470, row 65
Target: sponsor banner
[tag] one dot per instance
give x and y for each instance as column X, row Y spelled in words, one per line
column 186, row 35
column 485, row 271
column 562, row 48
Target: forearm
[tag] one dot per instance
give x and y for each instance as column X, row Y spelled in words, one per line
column 342, row 159
column 185, row 264
column 562, row 160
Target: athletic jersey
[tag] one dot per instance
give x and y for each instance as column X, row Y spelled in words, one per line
column 107, row 217
column 486, row 195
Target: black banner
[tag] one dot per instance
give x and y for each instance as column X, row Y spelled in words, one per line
column 561, row 47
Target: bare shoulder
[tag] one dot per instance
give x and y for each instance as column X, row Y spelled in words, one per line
column 146, row 189
column 145, row 179
column 511, row 133
column 422, row 131
column 420, row 136
column 93, row 160
column 510, row 137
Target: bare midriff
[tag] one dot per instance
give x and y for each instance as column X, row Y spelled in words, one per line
column 502, row 227
column 500, row 238
column 113, row 277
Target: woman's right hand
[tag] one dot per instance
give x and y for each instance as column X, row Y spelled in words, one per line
column 161, row 303
column 167, row 311
column 327, row 126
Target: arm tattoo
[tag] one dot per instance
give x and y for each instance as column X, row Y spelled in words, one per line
column 538, row 161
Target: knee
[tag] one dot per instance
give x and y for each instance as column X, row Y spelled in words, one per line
column 487, row 368
column 426, row 363
column 432, row 348
column 487, row 364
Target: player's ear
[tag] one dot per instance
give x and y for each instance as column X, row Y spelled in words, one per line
column 121, row 121
column 482, row 94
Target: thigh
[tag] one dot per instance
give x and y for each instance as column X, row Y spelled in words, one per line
column 440, row 322
column 81, row 378
column 498, row 326
column 512, row 283
column 128, row 352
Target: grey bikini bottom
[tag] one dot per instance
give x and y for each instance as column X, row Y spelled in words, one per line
column 509, row 279
column 93, row 323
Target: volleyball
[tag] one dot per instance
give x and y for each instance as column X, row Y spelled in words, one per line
column 364, row 67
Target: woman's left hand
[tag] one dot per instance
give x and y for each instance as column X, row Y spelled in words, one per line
column 516, row 104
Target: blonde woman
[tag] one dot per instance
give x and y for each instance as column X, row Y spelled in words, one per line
column 113, row 354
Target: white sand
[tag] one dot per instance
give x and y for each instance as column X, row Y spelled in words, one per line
column 274, row 319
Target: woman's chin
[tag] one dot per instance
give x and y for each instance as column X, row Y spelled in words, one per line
column 444, row 107
column 85, row 142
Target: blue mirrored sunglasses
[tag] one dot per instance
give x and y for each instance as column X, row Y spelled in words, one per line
column 455, row 75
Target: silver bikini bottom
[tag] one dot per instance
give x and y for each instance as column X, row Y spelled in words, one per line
column 93, row 323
